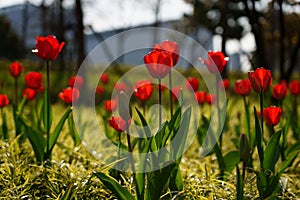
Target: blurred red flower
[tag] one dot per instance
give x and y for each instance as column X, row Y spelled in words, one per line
column 294, row 87
column 29, row 93
column 118, row 123
column 69, row 95
column 111, row 105
column 143, row 90
column 100, row 90
column 4, row 101
column 192, row 84
column 215, row 62
column 260, row 79
column 176, row 92
column 15, row 69
column 104, row 78
column 210, row 99
column 242, row 87
column 272, row 115
column 158, row 63
column 47, row 47
column 280, row 91
column 200, row 96
column 122, row 87
column 79, row 81
column 224, row 83
column 33, row 80
column 171, row 47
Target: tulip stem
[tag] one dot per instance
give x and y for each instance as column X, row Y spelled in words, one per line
column 261, row 113
column 48, row 108
column 218, row 110
column 170, row 88
column 159, row 101
column 16, row 92
column 247, row 119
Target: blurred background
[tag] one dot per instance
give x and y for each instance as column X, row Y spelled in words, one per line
column 253, row 33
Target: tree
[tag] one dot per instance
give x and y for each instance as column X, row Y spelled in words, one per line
column 11, row 46
column 79, row 32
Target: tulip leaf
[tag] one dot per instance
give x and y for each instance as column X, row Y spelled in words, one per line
column 231, row 159
column 120, row 192
column 47, row 112
column 74, row 134
column 37, row 141
column 259, row 139
column 288, row 162
column 272, row 152
column 57, row 130
column 4, row 126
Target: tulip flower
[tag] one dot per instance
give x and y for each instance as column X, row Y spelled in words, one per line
column 110, row 105
column 272, row 115
column 158, row 63
column 104, row 78
column 69, row 95
column 200, row 96
column 242, row 87
column 210, row 99
column 279, row 91
column 15, row 69
column 176, row 92
column 29, row 93
column 122, row 87
column 171, row 47
column 143, row 90
column 192, row 84
column 100, row 90
column 294, row 87
column 224, row 83
column 33, row 80
column 4, row 101
column 215, row 62
column 79, row 81
column 260, row 79
column 118, row 123
column 47, row 48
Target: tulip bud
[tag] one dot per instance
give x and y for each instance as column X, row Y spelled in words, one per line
column 124, row 108
column 244, row 149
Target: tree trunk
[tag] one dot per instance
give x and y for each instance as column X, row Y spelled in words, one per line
column 224, row 11
column 25, row 23
column 282, row 37
column 80, row 34
column 61, row 33
column 293, row 60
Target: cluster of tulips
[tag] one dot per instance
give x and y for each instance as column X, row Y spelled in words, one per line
column 159, row 63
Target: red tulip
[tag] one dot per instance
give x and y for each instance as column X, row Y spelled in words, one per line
column 224, row 83
column 192, row 84
column 258, row 114
column 4, row 101
column 111, row 105
column 100, row 90
column 279, row 91
column 47, row 47
column 210, row 99
column 260, row 79
column 242, row 87
column 118, row 123
column 272, row 115
column 122, row 87
column 158, row 63
column 33, row 80
column 41, row 89
column 104, row 78
column 143, row 90
column 215, row 62
column 171, row 47
column 78, row 79
column 176, row 92
column 15, row 69
column 200, row 96
column 69, row 95
column 294, row 87
column 29, row 93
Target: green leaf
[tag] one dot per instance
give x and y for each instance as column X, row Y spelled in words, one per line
column 294, row 147
column 4, row 126
column 120, row 192
column 288, row 162
column 47, row 112
column 144, row 123
column 73, row 132
column 272, row 152
column 37, row 141
column 67, row 194
column 231, row 159
column 259, row 139
column 261, row 181
column 176, row 181
column 57, row 130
